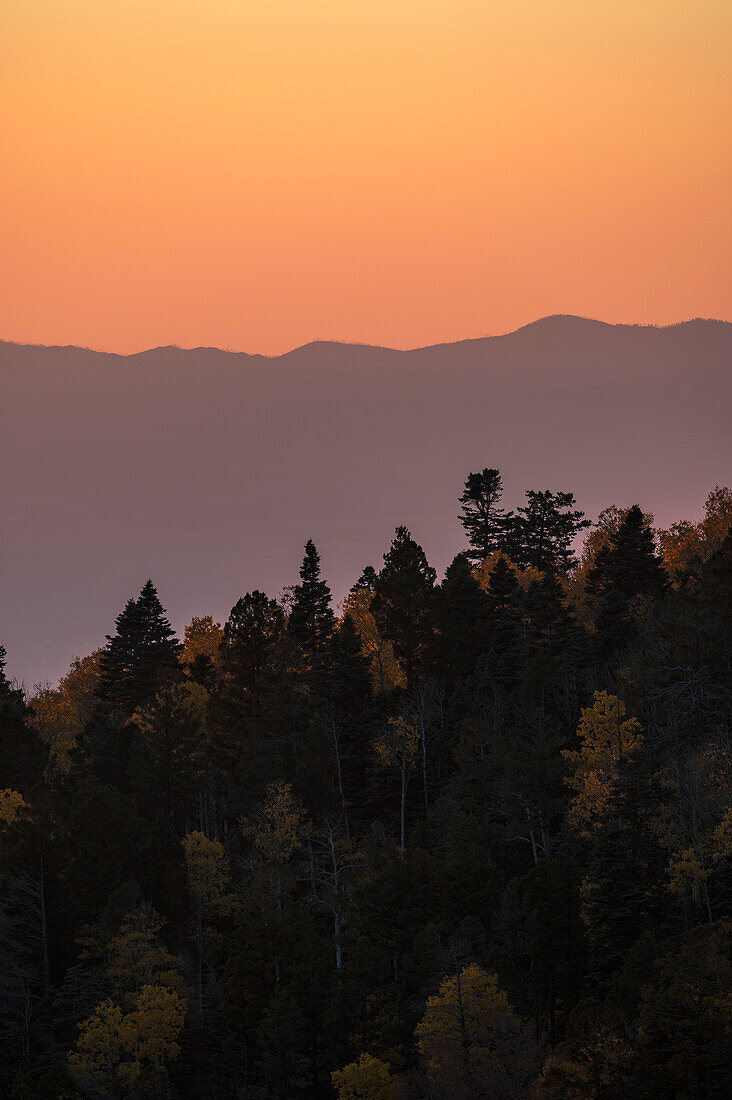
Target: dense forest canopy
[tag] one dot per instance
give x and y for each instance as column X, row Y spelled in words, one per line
column 462, row 837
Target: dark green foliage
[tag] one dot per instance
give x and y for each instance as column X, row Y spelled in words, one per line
column 23, row 755
column 403, row 601
column 541, row 534
column 312, row 621
column 624, row 570
column 460, row 622
column 140, row 658
column 484, row 522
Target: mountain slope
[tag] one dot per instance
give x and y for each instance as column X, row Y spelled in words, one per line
column 208, row 470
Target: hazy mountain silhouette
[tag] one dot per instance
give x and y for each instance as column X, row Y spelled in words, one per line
column 208, row 470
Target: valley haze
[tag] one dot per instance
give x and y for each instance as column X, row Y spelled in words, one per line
column 207, row 470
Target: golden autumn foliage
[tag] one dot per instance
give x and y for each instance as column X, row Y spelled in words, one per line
column 697, row 824
column 367, row 1079
column 606, row 737
column 398, row 745
column 383, row 665
column 524, row 577
column 138, row 957
column 115, row 1048
column 278, row 829
column 685, row 542
column 209, row 879
column 60, row 714
column 201, row 638
column 11, row 805
column 472, row 1040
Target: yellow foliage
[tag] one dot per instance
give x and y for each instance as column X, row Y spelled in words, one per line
column 279, row 828
column 11, row 804
column 399, row 745
column 460, row 1032
column 367, row 1079
column 607, row 737
column 138, row 957
column 60, row 714
column 208, row 872
column 115, row 1047
column 384, row 668
column 184, row 704
column 202, row 638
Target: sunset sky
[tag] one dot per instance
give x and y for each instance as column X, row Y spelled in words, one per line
column 255, row 174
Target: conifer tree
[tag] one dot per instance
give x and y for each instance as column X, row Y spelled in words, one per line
column 541, row 533
column 402, row 601
column 311, row 619
column 140, row 658
column 460, row 622
column 22, row 753
column 484, row 522
column 626, row 568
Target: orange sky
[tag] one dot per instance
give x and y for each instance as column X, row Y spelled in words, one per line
column 258, row 173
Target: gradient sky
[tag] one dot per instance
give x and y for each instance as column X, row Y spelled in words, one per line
column 258, row 173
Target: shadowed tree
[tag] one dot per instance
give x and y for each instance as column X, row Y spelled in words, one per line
column 312, row 621
column 402, row 602
column 140, row 658
column 541, row 533
column 484, row 522
column 626, row 568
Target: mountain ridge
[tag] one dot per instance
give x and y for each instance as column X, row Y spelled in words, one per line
column 541, row 323
column 208, row 469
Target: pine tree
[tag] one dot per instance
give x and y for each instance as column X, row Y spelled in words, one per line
column 403, row 601
column 540, row 535
column 484, row 522
column 626, row 568
column 311, row 619
column 141, row 658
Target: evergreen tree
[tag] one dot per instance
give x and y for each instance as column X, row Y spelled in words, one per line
column 22, row 753
column 460, row 620
column 484, row 522
column 402, row 601
column 540, row 535
column 626, row 568
column 141, row 658
column 311, row 619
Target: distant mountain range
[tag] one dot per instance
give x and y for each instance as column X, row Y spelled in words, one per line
column 208, row 470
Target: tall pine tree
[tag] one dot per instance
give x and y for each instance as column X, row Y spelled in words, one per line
column 484, row 522
column 140, row 658
column 402, row 603
column 311, row 619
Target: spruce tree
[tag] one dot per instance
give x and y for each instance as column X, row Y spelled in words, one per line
column 311, row 619
column 402, row 601
column 626, row 568
column 140, row 658
column 484, row 522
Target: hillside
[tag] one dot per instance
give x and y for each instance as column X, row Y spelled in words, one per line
column 208, row 470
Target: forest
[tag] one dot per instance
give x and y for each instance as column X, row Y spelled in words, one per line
column 458, row 837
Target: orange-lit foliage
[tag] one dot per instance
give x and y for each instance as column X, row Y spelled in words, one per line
column 384, row 669
column 525, row 577
column 201, row 638
column 685, row 542
column 60, row 714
